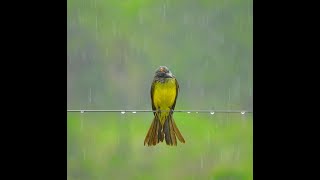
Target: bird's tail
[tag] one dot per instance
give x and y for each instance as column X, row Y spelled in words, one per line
column 155, row 134
column 171, row 131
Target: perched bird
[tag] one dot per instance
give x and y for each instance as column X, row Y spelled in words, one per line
column 164, row 93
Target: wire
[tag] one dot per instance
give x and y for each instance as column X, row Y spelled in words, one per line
column 187, row 111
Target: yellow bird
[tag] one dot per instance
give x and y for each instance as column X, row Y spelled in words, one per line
column 164, row 93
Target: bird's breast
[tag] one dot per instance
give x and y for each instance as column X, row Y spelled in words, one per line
column 164, row 94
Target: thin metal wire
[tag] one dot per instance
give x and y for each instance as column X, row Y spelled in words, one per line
column 187, row 111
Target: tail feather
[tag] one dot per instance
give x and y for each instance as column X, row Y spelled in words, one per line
column 148, row 138
column 154, row 134
column 171, row 132
column 160, row 134
column 177, row 132
column 167, row 134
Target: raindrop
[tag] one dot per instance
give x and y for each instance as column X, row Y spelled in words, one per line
column 243, row 112
column 140, row 19
column 188, row 112
column 185, row 19
column 107, row 52
column 78, row 11
column 212, row 113
column 139, row 100
column 123, row 112
column 118, row 139
column 84, row 154
column 90, row 95
column 134, row 112
column 239, row 86
column 83, row 56
column 93, row 139
column 237, row 154
column 189, row 84
column 222, row 38
column 114, row 28
column 201, row 20
column 82, row 111
column 202, row 92
column 125, row 58
column 164, row 11
column 229, row 98
column 96, row 27
column 201, row 162
column 234, row 152
column 144, row 43
column 197, row 112
column 233, row 50
column 79, row 19
column 207, row 20
column 207, row 62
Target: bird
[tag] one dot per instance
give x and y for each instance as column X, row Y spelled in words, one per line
column 164, row 92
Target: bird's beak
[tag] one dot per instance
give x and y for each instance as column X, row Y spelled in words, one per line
column 169, row 74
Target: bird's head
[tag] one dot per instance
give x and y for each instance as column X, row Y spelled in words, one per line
column 163, row 72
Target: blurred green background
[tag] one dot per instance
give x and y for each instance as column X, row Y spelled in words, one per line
column 114, row 47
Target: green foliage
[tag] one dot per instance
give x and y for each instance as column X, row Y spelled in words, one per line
column 119, row 44
column 110, row 146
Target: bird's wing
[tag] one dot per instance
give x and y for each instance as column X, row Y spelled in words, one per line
column 151, row 93
column 177, row 92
